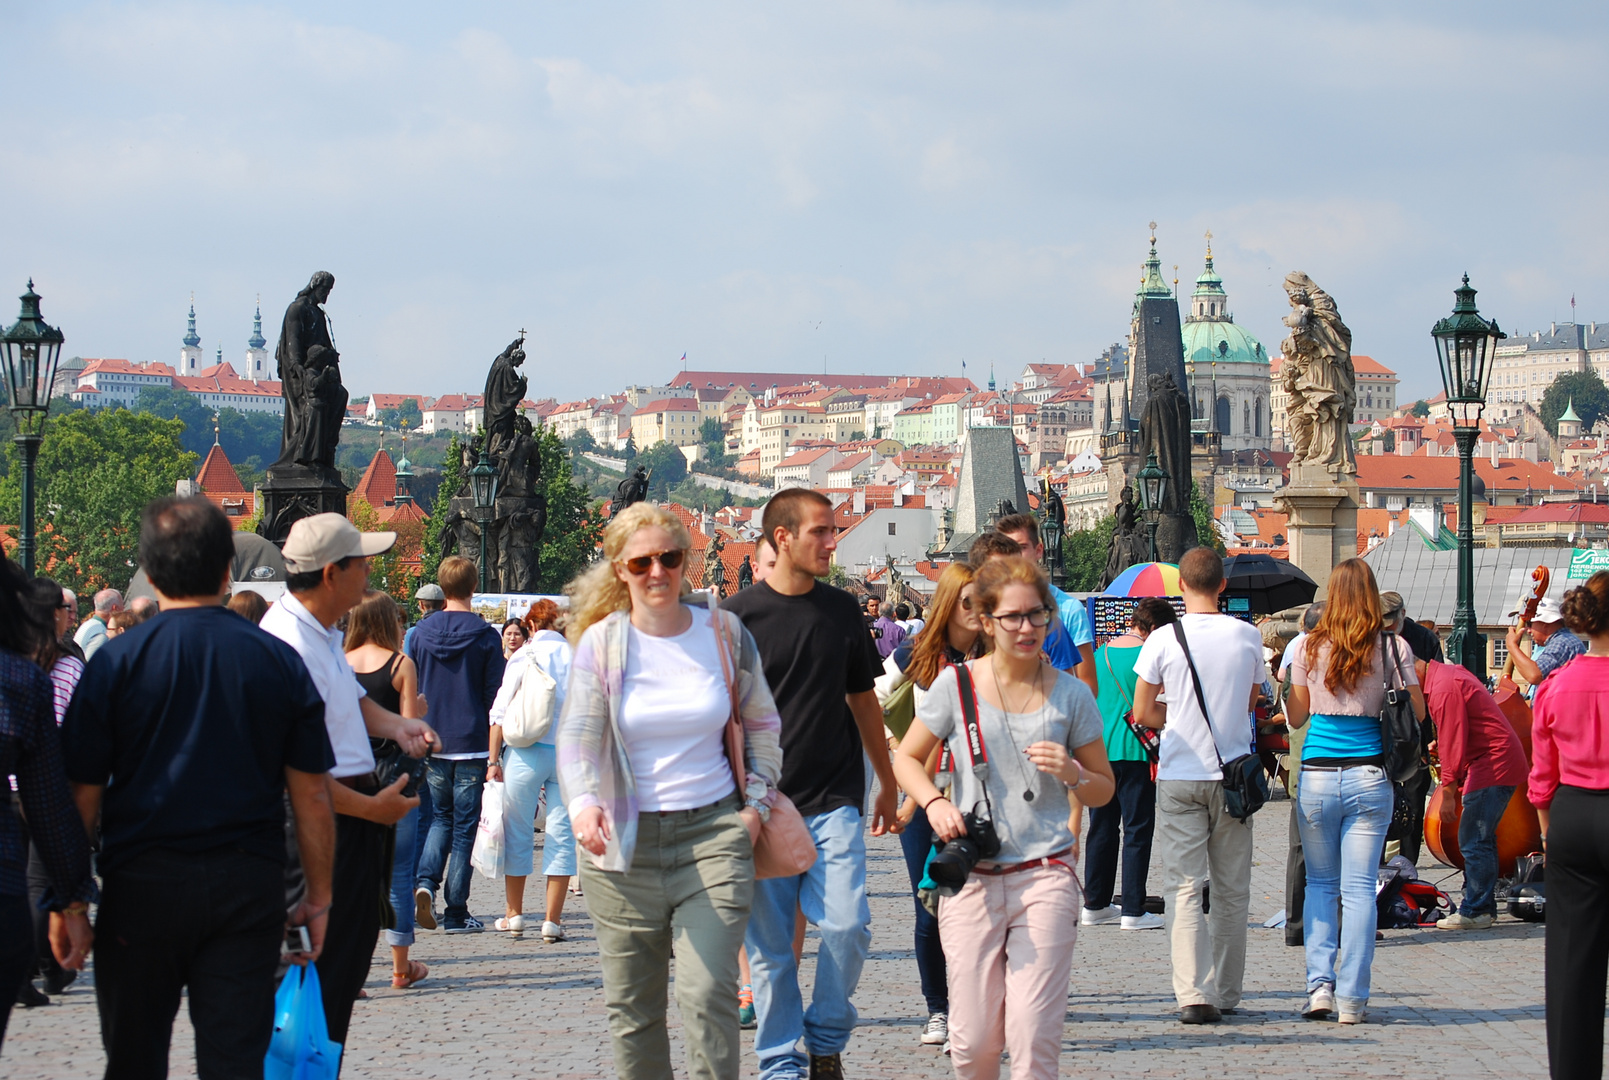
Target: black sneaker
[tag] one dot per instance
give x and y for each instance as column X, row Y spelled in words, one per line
column 826, row 1067
column 470, row 925
column 29, row 997
column 59, row 980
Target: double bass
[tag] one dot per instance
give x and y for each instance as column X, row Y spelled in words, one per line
column 1518, row 832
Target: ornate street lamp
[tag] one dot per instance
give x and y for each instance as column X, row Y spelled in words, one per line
column 483, row 485
column 1153, row 489
column 1465, row 343
column 28, row 353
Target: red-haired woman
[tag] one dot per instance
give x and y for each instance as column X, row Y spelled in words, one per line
column 1570, row 790
column 1344, row 801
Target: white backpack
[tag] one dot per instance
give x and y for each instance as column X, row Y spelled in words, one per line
column 530, row 715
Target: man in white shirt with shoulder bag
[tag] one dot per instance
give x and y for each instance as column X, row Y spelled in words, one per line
column 1198, row 837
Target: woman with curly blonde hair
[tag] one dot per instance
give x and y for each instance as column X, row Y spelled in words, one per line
column 652, row 799
column 1345, row 798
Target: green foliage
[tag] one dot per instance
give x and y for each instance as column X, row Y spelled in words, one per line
column 408, row 410
column 668, row 468
column 1084, row 555
column 1201, row 511
column 1585, row 389
column 248, row 438
column 574, row 522
column 582, row 442
column 630, row 452
column 452, row 478
column 713, row 438
column 97, row 470
column 1420, row 409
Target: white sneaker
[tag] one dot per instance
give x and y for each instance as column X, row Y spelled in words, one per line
column 1359, row 1017
column 551, row 932
column 512, row 925
column 424, row 908
column 1099, row 916
column 937, row 1031
column 1320, row 1003
column 1146, row 921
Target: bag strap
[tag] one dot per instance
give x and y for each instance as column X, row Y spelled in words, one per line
column 1107, row 656
column 1195, row 679
column 1387, row 642
column 977, row 752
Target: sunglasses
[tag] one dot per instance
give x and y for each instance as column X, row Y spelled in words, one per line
column 1012, row 620
column 670, row 560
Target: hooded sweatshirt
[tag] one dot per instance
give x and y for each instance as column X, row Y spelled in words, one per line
column 460, row 661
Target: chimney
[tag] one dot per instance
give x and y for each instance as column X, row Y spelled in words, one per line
column 858, row 505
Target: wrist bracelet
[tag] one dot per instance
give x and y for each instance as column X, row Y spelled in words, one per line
column 1083, row 778
column 933, row 800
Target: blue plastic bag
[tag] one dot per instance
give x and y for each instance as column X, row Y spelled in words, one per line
column 301, row 1048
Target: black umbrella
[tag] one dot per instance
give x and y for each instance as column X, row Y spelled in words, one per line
column 1270, row 584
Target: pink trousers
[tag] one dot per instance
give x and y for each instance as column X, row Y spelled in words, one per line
column 1008, row 944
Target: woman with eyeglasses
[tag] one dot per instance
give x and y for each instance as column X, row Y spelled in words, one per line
column 952, row 636
column 667, row 827
column 1008, row 932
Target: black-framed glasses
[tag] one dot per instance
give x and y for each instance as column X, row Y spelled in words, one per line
column 670, row 560
column 1012, row 620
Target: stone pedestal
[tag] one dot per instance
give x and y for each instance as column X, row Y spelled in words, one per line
column 1322, row 526
column 513, row 539
column 292, row 492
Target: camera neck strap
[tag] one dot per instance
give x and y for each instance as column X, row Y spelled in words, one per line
column 977, row 752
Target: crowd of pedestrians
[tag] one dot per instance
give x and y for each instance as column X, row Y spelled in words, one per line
column 243, row 769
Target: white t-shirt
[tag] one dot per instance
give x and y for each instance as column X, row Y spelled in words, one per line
column 673, row 712
column 1229, row 658
column 320, row 650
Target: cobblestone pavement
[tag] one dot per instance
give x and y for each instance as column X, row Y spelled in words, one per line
column 1458, row 1005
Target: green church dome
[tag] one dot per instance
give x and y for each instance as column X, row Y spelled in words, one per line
column 1206, row 340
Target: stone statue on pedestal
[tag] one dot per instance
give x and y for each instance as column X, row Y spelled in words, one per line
column 745, row 574
column 1318, row 378
column 633, row 489
column 304, row 481
column 516, row 521
column 1165, row 431
column 1129, row 544
column 714, row 568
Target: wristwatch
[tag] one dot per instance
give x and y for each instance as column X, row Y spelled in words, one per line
column 753, row 792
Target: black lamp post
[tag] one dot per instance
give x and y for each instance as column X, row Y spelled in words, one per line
column 1153, row 489
column 28, row 352
column 1465, row 343
column 483, row 484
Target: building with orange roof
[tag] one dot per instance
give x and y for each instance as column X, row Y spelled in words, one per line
column 379, row 403
column 119, row 382
column 674, row 420
column 450, row 412
column 219, row 482
column 1396, row 482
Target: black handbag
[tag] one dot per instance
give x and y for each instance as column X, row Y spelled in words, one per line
column 390, row 762
column 1400, row 736
column 1245, row 782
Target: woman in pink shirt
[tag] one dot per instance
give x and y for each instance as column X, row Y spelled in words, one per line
column 1570, row 789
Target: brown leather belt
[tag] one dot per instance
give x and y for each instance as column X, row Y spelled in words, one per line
column 363, row 783
column 1031, row 864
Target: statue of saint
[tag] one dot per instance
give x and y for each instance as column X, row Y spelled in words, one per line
column 745, row 573
column 714, row 568
column 1165, row 428
column 1129, row 546
column 505, row 389
column 315, row 400
column 518, row 555
column 633, row 489
column 1318, row 378
column 520, row 470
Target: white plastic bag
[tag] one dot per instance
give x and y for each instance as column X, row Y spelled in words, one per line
column 487, row 856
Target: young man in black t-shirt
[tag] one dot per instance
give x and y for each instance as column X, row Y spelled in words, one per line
column 820, row 663
column 182, row 738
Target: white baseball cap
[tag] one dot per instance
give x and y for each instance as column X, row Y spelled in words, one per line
column 317, row 541
column 1548, row 610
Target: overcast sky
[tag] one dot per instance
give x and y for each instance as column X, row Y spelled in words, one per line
column 870, row 186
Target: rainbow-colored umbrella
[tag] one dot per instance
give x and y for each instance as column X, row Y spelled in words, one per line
column 1146, row 579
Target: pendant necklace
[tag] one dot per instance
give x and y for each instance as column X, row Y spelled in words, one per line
column 1039, row 676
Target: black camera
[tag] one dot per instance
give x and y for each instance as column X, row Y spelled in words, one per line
column 955, row 860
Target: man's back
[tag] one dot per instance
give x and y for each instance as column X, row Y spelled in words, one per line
column 189, row 721
column 815, row 649
column 1228, row 655
column 460, row 661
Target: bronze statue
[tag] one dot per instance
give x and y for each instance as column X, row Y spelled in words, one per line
column 745, row 574
column 1129, row 546
column 505, row 389
column 633, row 489
column 1165, row 429
column 714, row 568
column 310, row 379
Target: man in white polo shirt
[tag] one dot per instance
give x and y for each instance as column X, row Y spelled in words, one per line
column 327, row 572
column 1197, row 837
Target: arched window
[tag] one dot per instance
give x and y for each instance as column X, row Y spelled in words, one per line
column 1221, row 420
column 1257, row 418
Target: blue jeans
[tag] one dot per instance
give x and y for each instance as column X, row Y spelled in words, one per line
column 455, row 788
column 1344, row 816
column 832, row 894
column 1477, row 839
column 403, row 863
column 1134, row 807
column 527, row 771
column 916, row 841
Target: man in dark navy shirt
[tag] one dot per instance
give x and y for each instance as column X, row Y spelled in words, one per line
column 182, row 740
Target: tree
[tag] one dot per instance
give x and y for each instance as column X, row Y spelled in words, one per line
column 668, row 467
column 250, row 439
column 408, row 410
column 395, row 571
column 1583, row 388
column 630, row 452
column 1201, row 511
column 1420, row 409
column 713, row 439
column 97, row 470
column 1084, row 555
column 574, row 523
column 452, row 478
column 582, row 442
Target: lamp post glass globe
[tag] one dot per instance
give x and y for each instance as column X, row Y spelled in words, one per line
column 1465, row 344
column 29, row 351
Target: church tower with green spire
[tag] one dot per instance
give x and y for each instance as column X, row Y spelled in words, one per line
column 257, row 348
column 1155, row 345
column 190, row 351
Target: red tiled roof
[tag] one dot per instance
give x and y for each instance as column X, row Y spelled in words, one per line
column 394, row 401
column 1417, row 473
column 1573, row 512
column 453, row 403
column 379, row 483
column 124, row 367
column 805, row 457
column 670, row 405
column 218, row 476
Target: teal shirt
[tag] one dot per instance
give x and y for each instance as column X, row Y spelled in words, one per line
column 1114, row 674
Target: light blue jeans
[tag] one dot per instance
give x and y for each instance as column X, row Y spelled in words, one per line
column 832, row 895
column 403, row 866
column 526, row 771
column 1344, row 815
